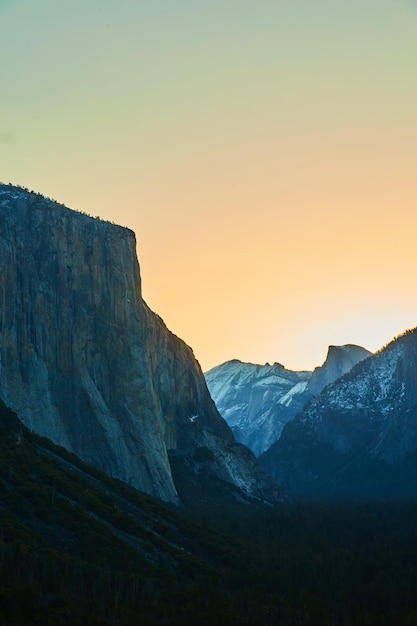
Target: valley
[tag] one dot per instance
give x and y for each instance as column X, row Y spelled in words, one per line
column 127, row 497
column 77, row 547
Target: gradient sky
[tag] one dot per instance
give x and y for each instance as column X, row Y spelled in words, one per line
column 265, row 154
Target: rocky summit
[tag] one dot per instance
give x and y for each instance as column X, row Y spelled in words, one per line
column 84, row 362
column 358, row 438
column 258, row 400
column 339, row 361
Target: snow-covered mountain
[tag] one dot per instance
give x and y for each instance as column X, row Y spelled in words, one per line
column 359, row 436
column 258, row 400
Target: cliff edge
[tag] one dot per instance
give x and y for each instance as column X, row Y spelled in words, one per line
column 85, row 362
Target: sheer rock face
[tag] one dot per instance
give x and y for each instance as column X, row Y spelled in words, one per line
column 83, row 360
column 339, row 361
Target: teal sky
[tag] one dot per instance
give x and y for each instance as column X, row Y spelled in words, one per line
column 264, row 153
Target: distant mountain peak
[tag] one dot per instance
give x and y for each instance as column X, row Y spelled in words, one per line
column 359, row 436
column 339, row 361
column 258, row 400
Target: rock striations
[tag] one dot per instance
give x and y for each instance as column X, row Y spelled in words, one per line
column 258, row 400
column 339, row 361
column 84, row 362
column 358, row 438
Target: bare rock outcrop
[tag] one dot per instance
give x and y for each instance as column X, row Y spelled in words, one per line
column 84, row 361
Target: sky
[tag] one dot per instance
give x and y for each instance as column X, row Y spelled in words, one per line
column 264, row 153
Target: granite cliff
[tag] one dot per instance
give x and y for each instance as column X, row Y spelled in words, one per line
column 339, row 361
column 84, row 362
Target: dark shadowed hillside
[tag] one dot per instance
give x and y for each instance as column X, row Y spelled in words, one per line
column 78, row 548
column 359, row 437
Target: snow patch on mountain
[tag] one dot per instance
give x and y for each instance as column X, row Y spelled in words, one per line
column 359, row 436
column 292, row 393
column 258, row 400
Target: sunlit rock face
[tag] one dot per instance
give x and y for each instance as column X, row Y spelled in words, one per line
column 84, row 361
column 358, row 438
column 258, row 400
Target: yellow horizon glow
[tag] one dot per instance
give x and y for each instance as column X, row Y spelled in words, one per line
column 265, row 157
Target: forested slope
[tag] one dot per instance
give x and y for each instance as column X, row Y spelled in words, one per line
column 79, row 548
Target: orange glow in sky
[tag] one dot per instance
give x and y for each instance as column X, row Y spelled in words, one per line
column 264, row 153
